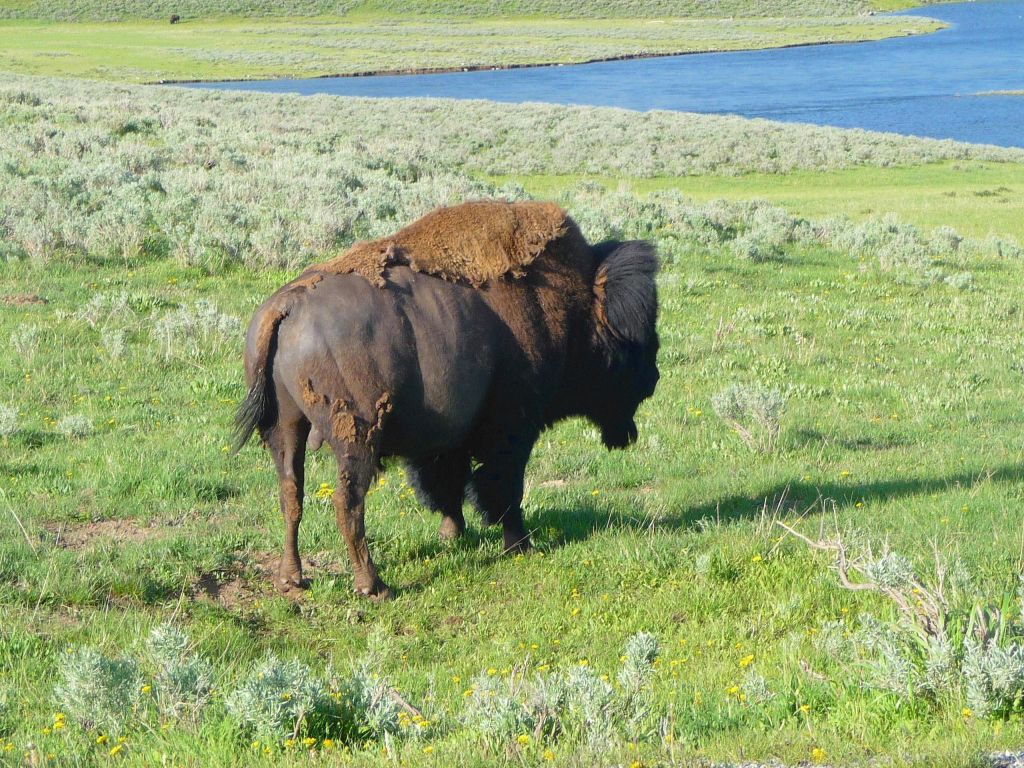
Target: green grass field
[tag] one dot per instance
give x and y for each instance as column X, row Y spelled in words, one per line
column 121, row 211
column 254, row 48
column 981, row 198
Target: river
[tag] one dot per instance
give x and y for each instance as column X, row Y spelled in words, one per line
column 939, row 85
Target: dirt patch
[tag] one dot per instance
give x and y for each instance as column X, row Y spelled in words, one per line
column 23, row 299
column 78, row 536
column 254, row 576
column 229, row 591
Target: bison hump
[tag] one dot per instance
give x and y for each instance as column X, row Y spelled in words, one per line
column 473, row 242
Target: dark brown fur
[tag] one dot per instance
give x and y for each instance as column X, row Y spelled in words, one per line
column 458, row 339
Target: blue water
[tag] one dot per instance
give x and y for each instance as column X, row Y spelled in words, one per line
column 923, row 85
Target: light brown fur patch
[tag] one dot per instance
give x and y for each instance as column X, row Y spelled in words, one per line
column 601, row 296
column 382, row 408
column 310, row 396
column 267, row 329
column 476, row 242
column 343, row 422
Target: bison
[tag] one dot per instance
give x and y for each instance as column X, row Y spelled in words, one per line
column 451, row 344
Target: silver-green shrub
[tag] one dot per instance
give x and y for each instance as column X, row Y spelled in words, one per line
column 8, row 421
column 367, row 705
column 993, row 676
column 578, row 707
column 25, row 341
column 755, row 689
column 754, row 412
column 495, row 710
column 277, row 699
column 183, row 680
column 75, row 426
column 99, row 692
column 196, row 330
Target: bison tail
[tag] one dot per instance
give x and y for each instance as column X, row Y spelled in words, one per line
column 250, row 414
column 258, row 410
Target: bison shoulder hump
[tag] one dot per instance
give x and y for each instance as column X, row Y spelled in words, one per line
column 473, row 242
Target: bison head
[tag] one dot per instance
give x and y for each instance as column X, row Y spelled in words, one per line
column 625, row 315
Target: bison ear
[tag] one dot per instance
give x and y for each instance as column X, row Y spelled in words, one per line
column 625, row 296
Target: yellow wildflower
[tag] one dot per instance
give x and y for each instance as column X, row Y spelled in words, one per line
column 428, row 749
column 549, row 755
column 819, row 755
column 523, row 739
column 117, row 748
column 746, row 661
column 309, row 741
column 967, row 712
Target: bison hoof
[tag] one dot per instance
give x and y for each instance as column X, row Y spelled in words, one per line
column 290, row 584
column 379, row 592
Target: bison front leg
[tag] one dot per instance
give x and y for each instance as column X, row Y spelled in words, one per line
column 498, row 490
column 356, row 468
column 287, row 442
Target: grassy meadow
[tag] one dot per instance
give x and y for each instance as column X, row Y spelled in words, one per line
column 261, row 48
column 138, row 231
column 224, row 39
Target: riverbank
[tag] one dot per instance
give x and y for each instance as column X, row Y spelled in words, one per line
column 270, row 48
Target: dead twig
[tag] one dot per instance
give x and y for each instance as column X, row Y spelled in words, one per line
column 925, row 607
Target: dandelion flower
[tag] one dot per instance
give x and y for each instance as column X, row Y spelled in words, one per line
column 523, row 739
column 819, row 755
column 746, row 661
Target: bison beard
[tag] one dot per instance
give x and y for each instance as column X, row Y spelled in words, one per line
column 451, row 344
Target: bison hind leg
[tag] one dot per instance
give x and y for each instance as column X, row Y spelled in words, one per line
column 440, row 484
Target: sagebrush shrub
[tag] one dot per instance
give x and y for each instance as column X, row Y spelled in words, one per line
column 196, row 330
column 754, row 412
column 8, row 421
column 99, row 692
column 75, row 426
column 577, row 707
column 278, row 699
column 183, row 680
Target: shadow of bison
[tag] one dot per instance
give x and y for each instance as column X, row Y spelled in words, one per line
column 456, row 340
